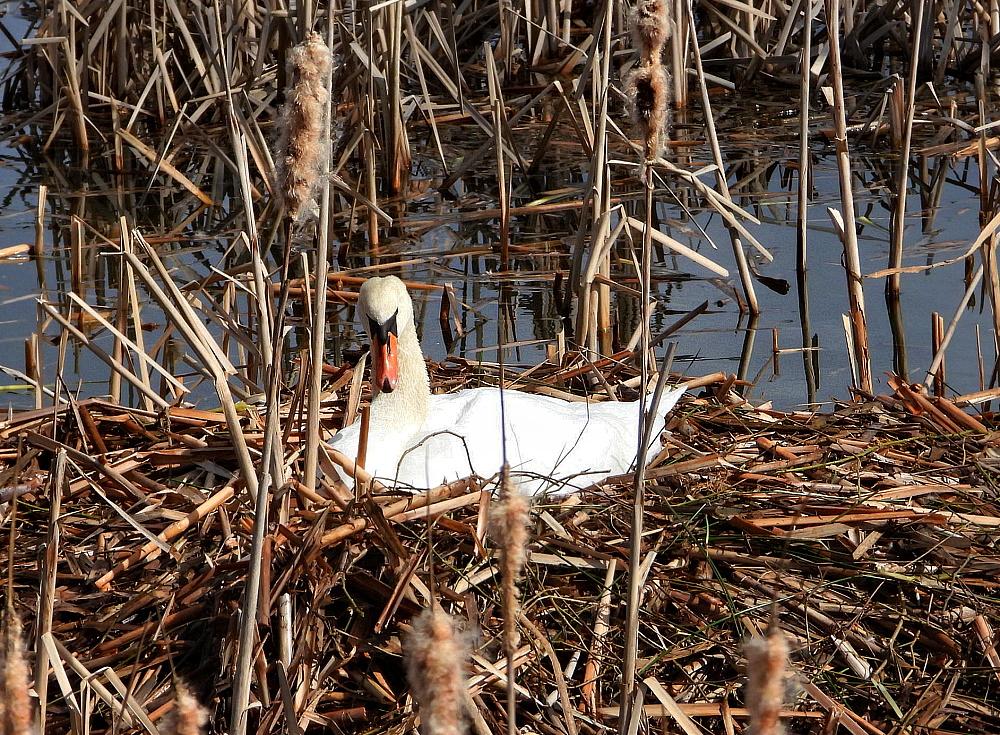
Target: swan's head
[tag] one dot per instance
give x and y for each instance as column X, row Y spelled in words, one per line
column 385, row 310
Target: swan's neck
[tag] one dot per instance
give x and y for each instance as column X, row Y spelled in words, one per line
column 405, row 409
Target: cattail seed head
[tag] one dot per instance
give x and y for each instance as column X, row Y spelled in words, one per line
column 15, row 677
column 301, row 146
column 651, row 26
column 648, row 89
column 436, row 652
column 508, row 526
column 767, row 662
column 188, row 716
column 509, row 518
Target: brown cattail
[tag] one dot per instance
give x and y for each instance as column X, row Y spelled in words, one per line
column 651, row 27
column 647, row 86
column 301, row 146
column 15, row 703
column 188, row 716
column 508, row 526
column 436, row 654
column 767, row 661
column 648, row 89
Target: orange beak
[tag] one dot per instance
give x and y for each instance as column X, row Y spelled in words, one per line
column 385, row 363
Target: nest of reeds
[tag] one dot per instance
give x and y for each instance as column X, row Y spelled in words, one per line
column 866, row 534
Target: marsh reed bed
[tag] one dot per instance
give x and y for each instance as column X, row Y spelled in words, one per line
column 175, row 539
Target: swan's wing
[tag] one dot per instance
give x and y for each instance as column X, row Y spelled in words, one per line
column 385, row 447
column 552, row 445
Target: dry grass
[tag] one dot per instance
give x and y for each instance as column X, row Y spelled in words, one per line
column 871, row 529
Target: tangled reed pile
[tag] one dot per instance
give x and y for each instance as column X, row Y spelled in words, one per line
column 869, row 535
column 862, row 541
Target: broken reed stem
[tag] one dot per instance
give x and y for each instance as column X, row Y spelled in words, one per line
column 802, row 199
column 942, row 344
column 47, row 596
column 742, row 265
column 937, row 342
column 849, row 231
column 437, row 652
column 302, row 146
column 508, row 526
column 39, row 247
column 903, row 167
column 497, row 112
column 767, row 662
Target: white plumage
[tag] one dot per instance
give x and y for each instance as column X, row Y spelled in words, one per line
column 417, row 440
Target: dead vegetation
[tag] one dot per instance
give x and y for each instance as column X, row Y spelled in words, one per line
column 868, row 535
column 181, row 531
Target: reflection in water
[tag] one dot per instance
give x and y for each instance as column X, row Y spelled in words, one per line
column 453, row 240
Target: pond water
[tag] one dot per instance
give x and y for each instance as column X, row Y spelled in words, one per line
column 723, row 339
column 440, row 243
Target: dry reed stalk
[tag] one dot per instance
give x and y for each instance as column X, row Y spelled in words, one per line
column 743, row 266
column 126, row 707
column 317, row 336
column 15, row 678
column 767, row 662
column 848, row 230
column 182, row 316
column 162, row 164
column 188, row 717
column 302, row 146
column 938, row 345
column 597, row 653
column 803, row 198
column 437, row 652
column 99, row 352
column 47, row 596
column 648, row 90
column 132, row 295
column 39, row 246
column 497, row 110
column 121, row 312
column 508, row 525
column 635, row 576
column 677, row 247
column 273, row 475
column 898, row 220
column 143, row 360
column 32, row 366
column 397, row 145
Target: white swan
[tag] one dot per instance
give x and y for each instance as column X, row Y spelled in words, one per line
column 419, row 441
